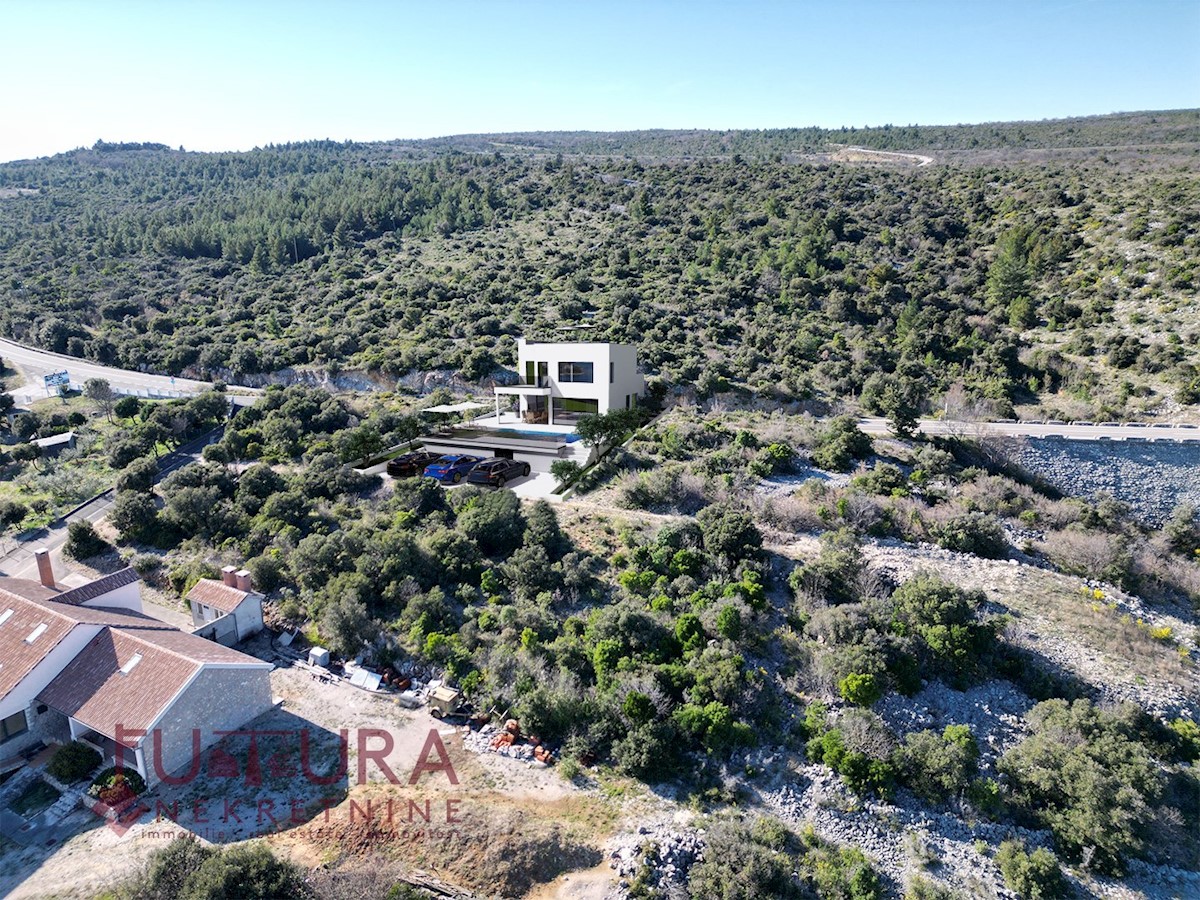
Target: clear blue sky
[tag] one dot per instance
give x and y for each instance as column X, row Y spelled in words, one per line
column 234, row 75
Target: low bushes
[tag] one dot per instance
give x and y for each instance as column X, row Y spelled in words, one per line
column 937, row 766
column 83, row 542
column 1032, row 876
column 762, row 860
column 1085, row 774
column 856, row 748
column 73, row 762
column 187, row 870
column 973, row 532
column 116, row 786
column 840, row 444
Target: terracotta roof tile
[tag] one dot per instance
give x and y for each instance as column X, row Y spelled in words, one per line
column 99, row 587
column 29, row 590
column 92, row 684
column 94, row 690
column 18, row 656
column 191, row 647
column 217, row 594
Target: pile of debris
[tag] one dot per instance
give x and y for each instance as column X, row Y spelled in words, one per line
column 657, row 857
column 507, row 741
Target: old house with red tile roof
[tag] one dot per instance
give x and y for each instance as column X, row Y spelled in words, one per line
column 227, row 611
column 87, row 664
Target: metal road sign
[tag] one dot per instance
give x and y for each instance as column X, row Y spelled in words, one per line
column 57, row 379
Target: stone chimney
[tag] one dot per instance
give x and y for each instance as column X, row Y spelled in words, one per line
column 242, row 580
column 228, row 576
column 45, row 570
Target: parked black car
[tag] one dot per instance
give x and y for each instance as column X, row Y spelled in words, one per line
column 496, row 471
column 410, row 464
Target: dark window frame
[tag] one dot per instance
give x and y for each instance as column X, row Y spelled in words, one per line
column 5, row 734
column 575, row 372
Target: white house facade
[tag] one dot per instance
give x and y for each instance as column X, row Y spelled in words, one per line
column 226, row 611
column 562, row 381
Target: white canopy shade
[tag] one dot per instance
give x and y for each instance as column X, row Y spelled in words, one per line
column 455, row 407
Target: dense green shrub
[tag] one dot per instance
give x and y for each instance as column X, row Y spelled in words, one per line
column 83, row 542
column 840, row 444
column 730, row 535
column 742, row 863
column 862, row 773
column 139, row 475
column 861, row 689
column 1083, row 775
column 772, row 460
column 882, row 478
column 1032, row 876
column 832, row 576
column 729, row 622
column 974, row 532
column 942, row 617
column 494, row 521
column 838, row 873
column 188, row 870
column 73, row 762
column 937, row 767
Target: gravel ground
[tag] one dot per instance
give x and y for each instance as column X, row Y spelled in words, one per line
column 995, row 711
column 1152, row 477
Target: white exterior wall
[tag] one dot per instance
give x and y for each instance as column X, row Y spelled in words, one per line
column 128, row 596
column 249, row 616
column 27, row 689
column 626, row 379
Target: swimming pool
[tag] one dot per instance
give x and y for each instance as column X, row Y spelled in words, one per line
column 570, row 438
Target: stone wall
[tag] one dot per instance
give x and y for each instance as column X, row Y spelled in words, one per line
column 220, row 699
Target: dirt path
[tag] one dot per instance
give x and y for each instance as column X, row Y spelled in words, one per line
column 848, row 154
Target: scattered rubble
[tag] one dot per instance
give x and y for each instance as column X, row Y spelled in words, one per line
column 1151, row 476
column 994, row 710
column 658, row 857
column 507, row 741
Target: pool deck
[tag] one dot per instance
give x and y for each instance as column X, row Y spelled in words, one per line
column 500, row 437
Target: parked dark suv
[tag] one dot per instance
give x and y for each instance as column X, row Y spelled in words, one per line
column 411, row 464
column 496, row 471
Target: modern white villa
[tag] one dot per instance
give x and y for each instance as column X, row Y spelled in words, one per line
column 534, row 420
column 562, row 381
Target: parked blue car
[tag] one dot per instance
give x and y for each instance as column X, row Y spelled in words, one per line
column 451, row 469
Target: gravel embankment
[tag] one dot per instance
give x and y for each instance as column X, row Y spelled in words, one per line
column 1152, row 477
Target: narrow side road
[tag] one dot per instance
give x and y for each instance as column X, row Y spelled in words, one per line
column 16, row 558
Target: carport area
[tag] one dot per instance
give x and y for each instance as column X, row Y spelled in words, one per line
column 539, row 449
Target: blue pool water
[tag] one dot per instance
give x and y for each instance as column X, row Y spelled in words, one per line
column 569, row 438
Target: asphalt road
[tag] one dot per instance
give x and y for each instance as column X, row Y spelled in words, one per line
column 16, row 558
column 1079, row 431
column 36, row 363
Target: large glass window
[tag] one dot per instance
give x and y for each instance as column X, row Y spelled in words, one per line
column 575, row 372
column 12, row 726
column 567, row 410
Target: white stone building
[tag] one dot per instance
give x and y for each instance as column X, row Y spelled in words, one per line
column 87, row 664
